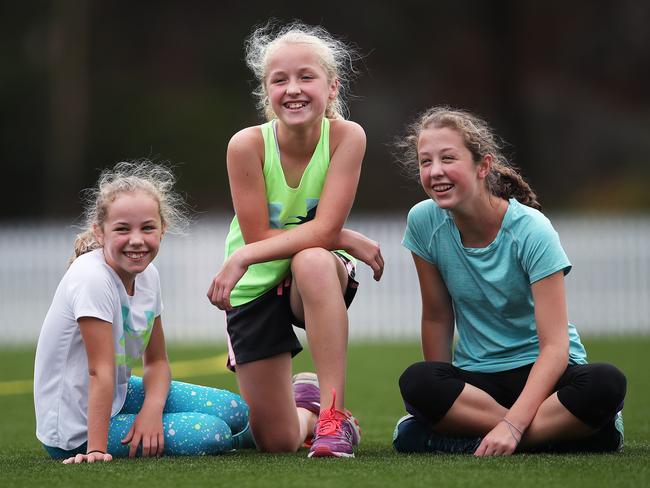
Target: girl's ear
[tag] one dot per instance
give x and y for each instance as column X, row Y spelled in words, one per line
column 334, row 88
column 485, row 166
column 99, row 234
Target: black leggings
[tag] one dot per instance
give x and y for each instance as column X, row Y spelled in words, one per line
column 594, row 393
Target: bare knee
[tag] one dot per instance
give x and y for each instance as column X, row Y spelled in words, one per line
column 312, row 260
column 276, row 442
column 314, row 267
column 276, row 447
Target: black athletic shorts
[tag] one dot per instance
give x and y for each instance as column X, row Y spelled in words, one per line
column 263, row 327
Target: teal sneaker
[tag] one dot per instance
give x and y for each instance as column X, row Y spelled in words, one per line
column 411, row 436
column 243, row 439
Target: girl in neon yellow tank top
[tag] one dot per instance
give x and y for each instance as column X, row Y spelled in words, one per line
column 293, row 181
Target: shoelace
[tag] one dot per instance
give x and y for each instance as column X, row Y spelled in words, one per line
column 330, row 420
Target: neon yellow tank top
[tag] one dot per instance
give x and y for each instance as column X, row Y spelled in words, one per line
column 287, row 207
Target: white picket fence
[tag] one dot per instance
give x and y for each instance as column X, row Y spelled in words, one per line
column 608, row 288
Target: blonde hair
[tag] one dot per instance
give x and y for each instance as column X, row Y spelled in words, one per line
column 504, row 181
column 128, row 177
column 335, row 57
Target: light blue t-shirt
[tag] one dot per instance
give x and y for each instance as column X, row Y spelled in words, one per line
column 490, row 287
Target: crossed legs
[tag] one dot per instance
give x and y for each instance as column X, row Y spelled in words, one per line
column 475, row 413
column 460, row 403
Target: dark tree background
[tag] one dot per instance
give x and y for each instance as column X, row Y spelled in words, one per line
column 84, row 84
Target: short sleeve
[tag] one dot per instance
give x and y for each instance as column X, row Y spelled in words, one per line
column 542, row 252
column 419, row 231
column 92, row 296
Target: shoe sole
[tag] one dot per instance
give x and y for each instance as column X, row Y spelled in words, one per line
column 305, row 378
column 327, row 452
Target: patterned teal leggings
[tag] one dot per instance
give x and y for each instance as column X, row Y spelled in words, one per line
column 197, row 420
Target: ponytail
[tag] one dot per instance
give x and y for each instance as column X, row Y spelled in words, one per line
column 83, row 243
column 505, row 182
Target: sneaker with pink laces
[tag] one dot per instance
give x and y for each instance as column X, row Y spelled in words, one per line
column 335, row 433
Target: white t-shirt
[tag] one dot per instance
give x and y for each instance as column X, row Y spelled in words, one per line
column 90, row 288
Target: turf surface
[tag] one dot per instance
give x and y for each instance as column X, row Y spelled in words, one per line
column 373, row 397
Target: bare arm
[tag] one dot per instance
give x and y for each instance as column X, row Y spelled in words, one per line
column 98, row 340
column 247, row 188
column 551, row 319
column 147, row 429
column 437, row 312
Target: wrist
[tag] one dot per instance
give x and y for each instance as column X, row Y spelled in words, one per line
column 95, row 451
column 519, row 418
column 517, row 423
column 153, row 407
column 243, row 256
column 344, row 240
column 514, row 431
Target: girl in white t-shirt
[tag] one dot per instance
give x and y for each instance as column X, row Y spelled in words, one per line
column 104, row 320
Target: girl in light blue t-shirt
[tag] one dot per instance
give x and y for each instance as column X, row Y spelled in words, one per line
column 491, row 266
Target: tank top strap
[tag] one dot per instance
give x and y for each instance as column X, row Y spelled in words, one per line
column 271, row 151
column 323, row 147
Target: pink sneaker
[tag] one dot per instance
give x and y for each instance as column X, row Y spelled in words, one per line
column 336, row 433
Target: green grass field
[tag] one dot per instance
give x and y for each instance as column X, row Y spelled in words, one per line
column 373, row 397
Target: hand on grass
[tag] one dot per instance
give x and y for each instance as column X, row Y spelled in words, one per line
column 225, row 280
column 147, row 429
column 89, row 458
column 500, row 441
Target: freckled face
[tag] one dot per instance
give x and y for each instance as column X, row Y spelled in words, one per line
column 131, row 234
column 297, row 84
column 448, row 172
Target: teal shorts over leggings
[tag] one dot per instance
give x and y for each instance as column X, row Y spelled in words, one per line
column 197, row 420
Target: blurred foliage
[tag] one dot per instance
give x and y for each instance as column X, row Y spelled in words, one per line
column 84, row 84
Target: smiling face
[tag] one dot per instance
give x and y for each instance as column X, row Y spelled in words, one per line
column 130, row 235
column 297, row 85
column 448, row 172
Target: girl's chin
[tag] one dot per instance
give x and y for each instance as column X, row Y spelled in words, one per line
column 442, row 202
